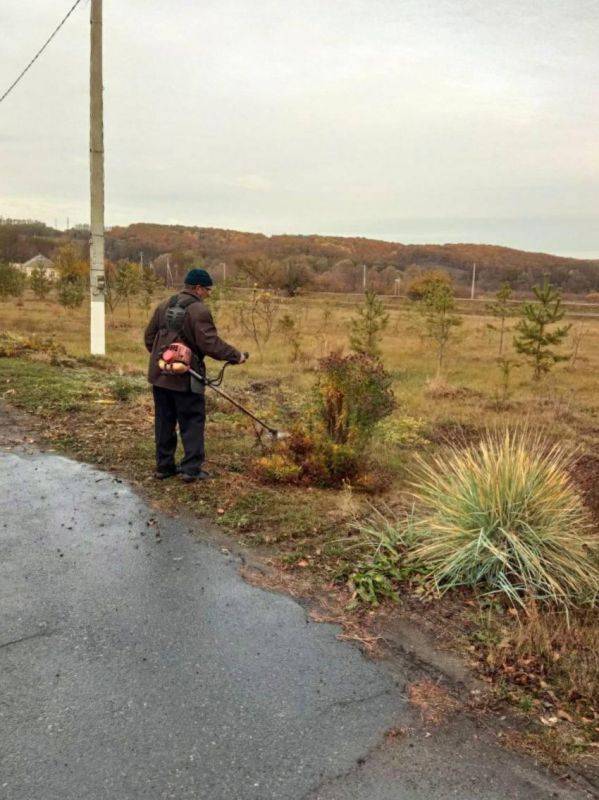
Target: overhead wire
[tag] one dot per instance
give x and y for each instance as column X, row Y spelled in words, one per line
column 39, row 52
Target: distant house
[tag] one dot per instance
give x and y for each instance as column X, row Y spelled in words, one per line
column 38, row 261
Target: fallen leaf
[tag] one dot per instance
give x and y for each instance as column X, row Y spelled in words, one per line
column 564, row 715
column 549, row 721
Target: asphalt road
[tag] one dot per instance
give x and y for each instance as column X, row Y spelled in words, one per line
column 136, row 663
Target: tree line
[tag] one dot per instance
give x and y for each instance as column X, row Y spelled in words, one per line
column 324, row 263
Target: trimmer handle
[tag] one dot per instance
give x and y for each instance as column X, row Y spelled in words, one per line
column 245, row 356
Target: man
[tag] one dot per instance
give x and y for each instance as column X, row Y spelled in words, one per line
column 179, row 398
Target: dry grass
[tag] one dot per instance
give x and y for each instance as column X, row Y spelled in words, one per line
column 325, row 327
column 434, row 701
column 561, row 650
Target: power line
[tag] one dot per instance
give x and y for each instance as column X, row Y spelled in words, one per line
column 39, row 52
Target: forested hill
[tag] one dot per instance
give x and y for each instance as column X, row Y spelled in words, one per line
column 335, row 260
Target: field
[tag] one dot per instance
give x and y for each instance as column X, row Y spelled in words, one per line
column 429, row 412
column 567, row 399
column 101, row 411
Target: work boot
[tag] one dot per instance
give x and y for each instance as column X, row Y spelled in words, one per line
column 163, row 474
column 191, row 477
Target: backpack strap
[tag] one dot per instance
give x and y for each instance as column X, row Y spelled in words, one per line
column 176, row 310
column 185, row 302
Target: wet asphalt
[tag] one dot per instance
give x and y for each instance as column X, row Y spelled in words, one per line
column 136, row 663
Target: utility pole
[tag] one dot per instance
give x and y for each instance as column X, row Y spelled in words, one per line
column 169, row 274
column 96, row 165
column 224, row 271
column 473, row 281
column 364, row 277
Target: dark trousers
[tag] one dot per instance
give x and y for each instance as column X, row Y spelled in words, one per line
column 189, row 411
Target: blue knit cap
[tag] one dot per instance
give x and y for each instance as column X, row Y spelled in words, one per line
column 198, row 277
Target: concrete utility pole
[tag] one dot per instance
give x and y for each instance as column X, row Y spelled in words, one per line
column 96, row 166
column 473, row 281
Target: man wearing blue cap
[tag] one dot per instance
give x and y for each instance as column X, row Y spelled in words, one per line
column 179, row 398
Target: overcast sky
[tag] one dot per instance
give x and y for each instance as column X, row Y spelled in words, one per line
column 416, row 120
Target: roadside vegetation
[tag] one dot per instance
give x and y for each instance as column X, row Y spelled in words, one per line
column 435, row 460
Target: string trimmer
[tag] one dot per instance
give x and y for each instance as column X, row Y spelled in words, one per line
column 177, row 358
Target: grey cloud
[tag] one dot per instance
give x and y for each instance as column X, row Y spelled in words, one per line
column 312, row 116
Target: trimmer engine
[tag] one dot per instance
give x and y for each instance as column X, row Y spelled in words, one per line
column 176, row 358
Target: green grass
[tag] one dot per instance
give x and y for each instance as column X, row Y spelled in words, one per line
column 286, row 521
column 42, row 388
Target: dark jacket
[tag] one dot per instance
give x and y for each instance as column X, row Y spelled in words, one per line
column 198, row 332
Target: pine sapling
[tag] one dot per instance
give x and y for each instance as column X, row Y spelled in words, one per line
column 148, row 287
column 506, row 365
column 536, row 337
column 501, row 309
column 291, row 332
column 367, row 328
column 438, row 307
column 127, row 283
column 40, row 281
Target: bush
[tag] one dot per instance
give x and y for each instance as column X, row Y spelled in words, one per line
column 421, row 285
column 331, row 464
column 310, row 458
column 13, row 345
column 71, row 291
column 41, row 282
column 353, row 395
column 504, row 515
column 12, row 281
column 406, row 432
column 125, row 389
column 277, row 468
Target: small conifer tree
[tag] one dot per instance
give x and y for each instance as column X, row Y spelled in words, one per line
column 291, row 331
column 71, row 291
column 501, row 309
column 440, row 317
column 127, row 283
column 148, row 287
column 536, row 338
column 12, row 281
column 41, row 283
column 367, row 328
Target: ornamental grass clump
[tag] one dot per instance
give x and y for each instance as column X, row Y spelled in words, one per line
column 504, row 516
